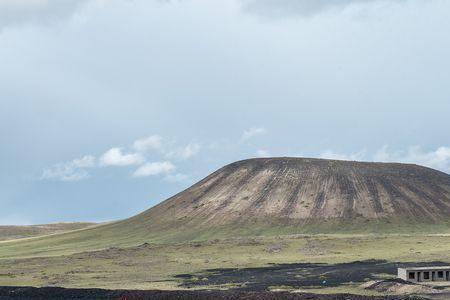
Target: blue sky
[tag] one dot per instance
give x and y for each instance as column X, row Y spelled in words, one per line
column 109, row 107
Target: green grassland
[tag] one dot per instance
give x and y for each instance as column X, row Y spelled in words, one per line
column 137, row 230
column 136, row 254
column 153, row 265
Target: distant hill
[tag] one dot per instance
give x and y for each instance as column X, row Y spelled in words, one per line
column 17, row 232
column 309, row 195
column 275, row 196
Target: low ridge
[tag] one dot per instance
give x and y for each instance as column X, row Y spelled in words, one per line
column 11, row 232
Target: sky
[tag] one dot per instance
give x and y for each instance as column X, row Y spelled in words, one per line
column 108, row 107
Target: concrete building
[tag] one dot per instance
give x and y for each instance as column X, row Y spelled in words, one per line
column 424, row 274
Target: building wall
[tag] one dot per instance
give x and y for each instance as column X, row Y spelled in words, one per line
column 424, row 275
column 402, row 274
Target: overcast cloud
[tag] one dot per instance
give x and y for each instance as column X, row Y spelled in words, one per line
column 93, row 91
column 18, row 12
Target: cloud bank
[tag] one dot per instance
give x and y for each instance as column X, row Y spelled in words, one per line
column 437, row 159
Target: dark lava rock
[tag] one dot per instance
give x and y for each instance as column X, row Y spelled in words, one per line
column 54, row 293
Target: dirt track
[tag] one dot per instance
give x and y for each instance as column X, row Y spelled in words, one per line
column 52, row 293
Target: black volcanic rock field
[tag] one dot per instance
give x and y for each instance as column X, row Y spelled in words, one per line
column 26, row 293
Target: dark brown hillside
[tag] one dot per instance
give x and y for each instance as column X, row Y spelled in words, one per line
column 301, row 190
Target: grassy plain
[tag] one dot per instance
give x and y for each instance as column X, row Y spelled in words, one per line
column 155, row 265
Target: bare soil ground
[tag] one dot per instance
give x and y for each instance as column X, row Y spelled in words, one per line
column 398, row 286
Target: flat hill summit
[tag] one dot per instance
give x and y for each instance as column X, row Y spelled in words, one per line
column 302, row 191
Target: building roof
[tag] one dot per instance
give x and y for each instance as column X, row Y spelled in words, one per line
column 426, row 268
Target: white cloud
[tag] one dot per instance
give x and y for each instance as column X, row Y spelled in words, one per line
column 263, row 153
column 153, row 142
column 115, row 157
column 252, row 132
column 330, row 154
column 436, row 159
column 154, row 168
column 186, row 152
column 87, row 161
column 74, row 170
column 176, row 177
column 169, row 150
